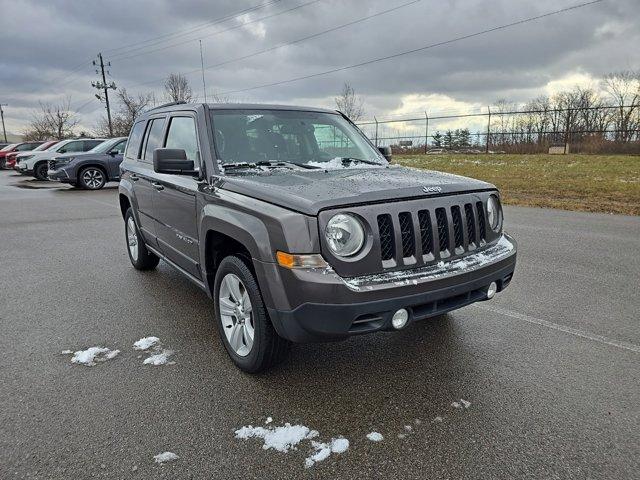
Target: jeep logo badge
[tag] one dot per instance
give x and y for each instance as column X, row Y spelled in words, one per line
column 432, row 189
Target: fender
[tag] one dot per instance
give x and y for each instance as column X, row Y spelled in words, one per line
column 126, row 188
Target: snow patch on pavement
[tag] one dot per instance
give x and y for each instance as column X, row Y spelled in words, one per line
column 161, row 358
column 165, row 457
column 375, row 437
column 462, row 404
column 289, row 437
column 146, row 343
column 92, row 355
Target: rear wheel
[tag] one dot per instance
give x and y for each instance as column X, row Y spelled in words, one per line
column 40, row 171
column 243, row 323
column 141, row 258
column 92, row 178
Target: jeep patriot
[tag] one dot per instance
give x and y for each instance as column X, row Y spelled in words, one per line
column 300, row 229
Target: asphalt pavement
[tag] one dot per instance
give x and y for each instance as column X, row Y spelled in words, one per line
column 550, row 367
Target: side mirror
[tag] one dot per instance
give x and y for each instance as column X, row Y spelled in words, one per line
column 62, row 150
column 173, row 161
column 113, row 153
column 386, row 153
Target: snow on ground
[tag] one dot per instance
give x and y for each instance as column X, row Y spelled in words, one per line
column 289, row 437
column 91, row 356
column 146, row 343
column 375, row 437
column 161, row 358
column 323, row 450
column 269, row 420
column 462, row 404
column 66, row 352
column 281, row 439
column 438, row 420
column 165, row 457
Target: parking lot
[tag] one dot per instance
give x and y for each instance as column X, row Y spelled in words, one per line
column 549, row 368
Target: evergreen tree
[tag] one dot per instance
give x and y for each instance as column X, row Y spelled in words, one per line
column 437, row 139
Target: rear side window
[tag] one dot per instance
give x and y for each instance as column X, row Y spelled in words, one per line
column 154, row 138
column 182, row 135
column 89, row 144
column 135, row 138
column 71, row 147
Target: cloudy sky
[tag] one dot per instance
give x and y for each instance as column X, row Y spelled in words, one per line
column 46, row 49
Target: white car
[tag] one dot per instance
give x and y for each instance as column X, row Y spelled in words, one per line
column 36, row 163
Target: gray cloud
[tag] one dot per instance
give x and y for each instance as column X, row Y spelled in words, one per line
column 43, row 42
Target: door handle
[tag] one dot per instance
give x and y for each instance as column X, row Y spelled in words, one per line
column 134, row 177
column 157, row 186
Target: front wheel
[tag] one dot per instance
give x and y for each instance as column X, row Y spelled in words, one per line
column 141, row 258
column 243, row 323
column 40, row 171
column 92, row 178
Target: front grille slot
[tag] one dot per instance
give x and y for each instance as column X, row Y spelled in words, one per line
column 471, row 229
column 443, row 229
column 457, row 226
column 387, row 243
column 481, row 224
column 406, row 232
column 426, row 233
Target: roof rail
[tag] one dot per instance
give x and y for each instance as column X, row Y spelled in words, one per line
column 181, row 102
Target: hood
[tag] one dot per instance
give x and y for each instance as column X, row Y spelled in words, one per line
column 309, row 191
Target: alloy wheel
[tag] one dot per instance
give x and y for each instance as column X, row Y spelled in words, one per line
column 236, row 315
column 93, row 178
column 132, row 239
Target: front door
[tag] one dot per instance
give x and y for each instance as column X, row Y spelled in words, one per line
column 175, row 200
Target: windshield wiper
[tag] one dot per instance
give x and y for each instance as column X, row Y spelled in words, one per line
column 234, row 165
column 284, row 163
column 358, row 160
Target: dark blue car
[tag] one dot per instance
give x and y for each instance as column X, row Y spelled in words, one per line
column 90, row 170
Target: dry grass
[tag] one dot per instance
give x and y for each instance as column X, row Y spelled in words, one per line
column 593, row 183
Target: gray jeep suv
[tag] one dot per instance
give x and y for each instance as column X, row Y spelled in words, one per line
column 300, row 229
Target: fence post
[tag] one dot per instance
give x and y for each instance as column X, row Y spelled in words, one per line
column 376, row 120
column 488, row 128
column 426, row 132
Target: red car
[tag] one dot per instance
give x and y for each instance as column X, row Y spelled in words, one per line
column 17, row 147
column 10, row 158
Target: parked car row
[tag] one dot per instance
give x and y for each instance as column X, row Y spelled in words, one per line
column 81, row 162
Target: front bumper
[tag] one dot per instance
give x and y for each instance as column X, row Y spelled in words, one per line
column 59, row 175
column 319, row 305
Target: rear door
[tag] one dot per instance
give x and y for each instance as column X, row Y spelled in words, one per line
column 175, row 199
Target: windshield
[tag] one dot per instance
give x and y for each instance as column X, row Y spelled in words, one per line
column 11, row 146
column 42, row 147
column 105, row 146
column 311, row 139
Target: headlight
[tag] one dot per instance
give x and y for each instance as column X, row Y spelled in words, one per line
column 63, row 160
column 493, row 213
column 26, row 157
column 344, row 234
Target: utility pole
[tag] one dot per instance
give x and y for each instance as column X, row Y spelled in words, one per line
column 204, row 87
column 4, row 130
column 105, row 87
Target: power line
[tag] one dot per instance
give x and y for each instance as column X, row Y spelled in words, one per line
column 235, row 27
column 408, row 52
column 192, row 29
column 293, row 42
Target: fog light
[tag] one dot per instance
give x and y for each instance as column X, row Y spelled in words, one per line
column 400, row 319
column 491, row 291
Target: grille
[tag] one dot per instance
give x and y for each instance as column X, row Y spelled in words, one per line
column 387, row 243
column 426, row 232
column 471, row 229
column 457, row 226
column 481, row 224
column 431, row 235
column 443, row 229
column 406, row 232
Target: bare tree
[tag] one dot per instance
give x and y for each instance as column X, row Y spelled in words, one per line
column 129, row 107
column 177, row 88
column 52, row 121
column 350, row 104
column 624, row 90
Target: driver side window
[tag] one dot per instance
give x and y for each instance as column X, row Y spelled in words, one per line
column 182, row 135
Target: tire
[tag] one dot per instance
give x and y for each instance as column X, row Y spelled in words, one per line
column 267, row 347
column 40, row 171
column 141, row 258
column 92, row 178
